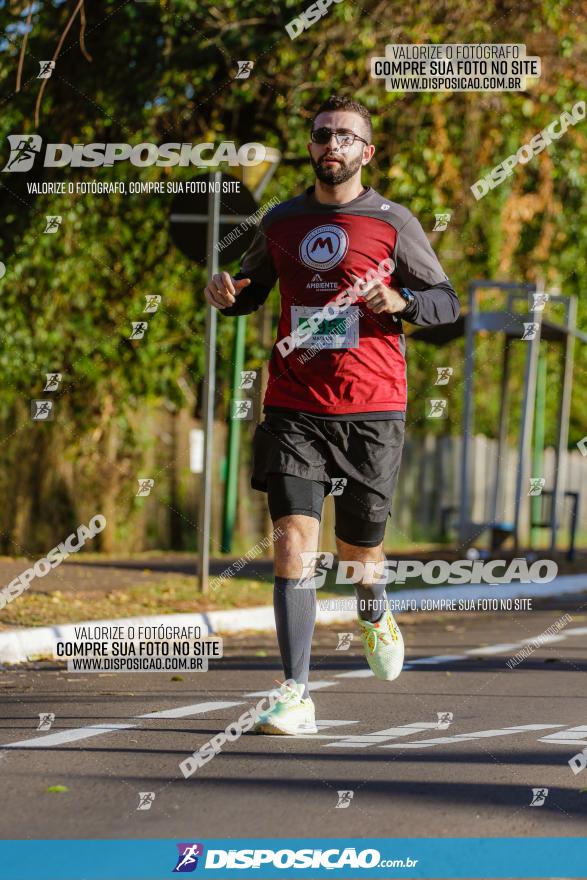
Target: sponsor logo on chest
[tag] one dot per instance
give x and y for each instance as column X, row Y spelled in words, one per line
column 318, row 283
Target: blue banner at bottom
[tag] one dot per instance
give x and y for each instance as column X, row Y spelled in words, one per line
column 286, row 858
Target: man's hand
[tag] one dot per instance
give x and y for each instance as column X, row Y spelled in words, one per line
column 380, row 298
column 222, row 290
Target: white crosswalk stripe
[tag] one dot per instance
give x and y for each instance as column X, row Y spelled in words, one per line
column 575, row 735
column 469, row 737
column 381, row 736
column 64, row 736
column 312, row 686
column 193, row 709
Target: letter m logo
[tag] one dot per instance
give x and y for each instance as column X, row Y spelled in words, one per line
column 322, row 243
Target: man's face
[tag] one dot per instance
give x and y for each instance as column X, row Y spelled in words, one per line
column 334, row 164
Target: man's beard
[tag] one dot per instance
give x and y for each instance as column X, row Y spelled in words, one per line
column 335, row 174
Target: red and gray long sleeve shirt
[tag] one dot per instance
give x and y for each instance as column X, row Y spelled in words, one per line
column 354, row 365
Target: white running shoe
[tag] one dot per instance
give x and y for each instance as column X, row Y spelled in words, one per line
column 384, row 646
column 290, row 716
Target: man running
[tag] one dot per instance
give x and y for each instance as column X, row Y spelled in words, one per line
column 351, row 266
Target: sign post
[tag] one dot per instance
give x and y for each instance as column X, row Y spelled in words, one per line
column 203, row 208
column 209, row 393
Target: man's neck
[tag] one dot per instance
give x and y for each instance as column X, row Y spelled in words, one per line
column 339, row 194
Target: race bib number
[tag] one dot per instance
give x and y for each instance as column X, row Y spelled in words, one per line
column 331, row 333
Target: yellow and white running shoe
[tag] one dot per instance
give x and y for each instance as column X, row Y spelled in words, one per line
column 384, row 646
column 290, row 716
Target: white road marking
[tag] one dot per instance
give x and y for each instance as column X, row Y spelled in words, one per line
column 495, row 649
column 78, row 733
column 420, row 661
column 547, row 639
column 576, row 736
column 355, row 673
column 328, row 736
column 324, row 725
column 312, row 686
column 432, row 661
column 541, row 639
column 380, row 736
column 468, row 737
column 65, row 736
column 193, row 709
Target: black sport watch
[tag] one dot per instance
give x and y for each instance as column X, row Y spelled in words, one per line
column 407, row 295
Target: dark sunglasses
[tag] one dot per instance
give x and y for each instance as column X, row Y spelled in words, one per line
column 343, row 138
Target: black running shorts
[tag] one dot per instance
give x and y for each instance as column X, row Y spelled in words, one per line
column 299, row 458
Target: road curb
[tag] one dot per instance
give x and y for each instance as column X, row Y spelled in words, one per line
column 19, row 645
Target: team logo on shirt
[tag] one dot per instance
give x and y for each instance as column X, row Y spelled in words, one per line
column 324, row 247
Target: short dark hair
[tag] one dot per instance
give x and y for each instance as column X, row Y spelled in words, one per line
column 338, row 102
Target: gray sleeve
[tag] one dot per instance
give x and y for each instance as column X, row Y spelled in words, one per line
column 418, row 269
column 258, row 266
column 417, row 264
column 257, row 263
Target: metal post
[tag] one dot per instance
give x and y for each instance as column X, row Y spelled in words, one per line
column 527, row 420
column 231, row 485
column 209, row 391
column 503, row 426
column 467, row 415
column 538, row 450
column 563, row 418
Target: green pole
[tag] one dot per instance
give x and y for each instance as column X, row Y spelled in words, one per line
column 231, row 484
column 538, row 451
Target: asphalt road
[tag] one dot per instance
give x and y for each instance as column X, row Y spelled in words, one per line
column 412, row 780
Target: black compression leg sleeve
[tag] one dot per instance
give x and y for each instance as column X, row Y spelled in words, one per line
column 295, row 616
column 372, row 600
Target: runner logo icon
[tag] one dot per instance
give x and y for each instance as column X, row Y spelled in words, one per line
column 24, row 148
column 324, row 247
column 187, row 859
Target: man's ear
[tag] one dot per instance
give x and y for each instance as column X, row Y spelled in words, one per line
column 370, row 152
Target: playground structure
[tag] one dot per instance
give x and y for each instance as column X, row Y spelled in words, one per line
column 530, row 326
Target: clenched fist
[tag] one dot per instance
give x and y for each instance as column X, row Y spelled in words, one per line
column 380, row 298
column 222, row 290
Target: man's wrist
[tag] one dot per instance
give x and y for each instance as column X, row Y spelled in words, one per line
column 409, row 299
column 407, row 295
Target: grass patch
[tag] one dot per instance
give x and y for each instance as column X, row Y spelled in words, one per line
column 175, row 594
